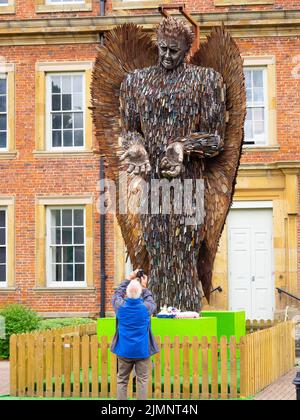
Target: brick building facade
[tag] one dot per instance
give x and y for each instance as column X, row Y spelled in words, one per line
column 49, row 223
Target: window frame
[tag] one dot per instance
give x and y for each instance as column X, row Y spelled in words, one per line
column 49, row 146
column 5, row 149
column 9, row 8
column 9, row 152
column 265, row 106
column 269, row 62
column 4, row 284
column 63, row 284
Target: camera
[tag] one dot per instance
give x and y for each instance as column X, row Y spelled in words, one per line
column 140, row 274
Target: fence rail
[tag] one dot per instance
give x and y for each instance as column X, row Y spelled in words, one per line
column 74, row 364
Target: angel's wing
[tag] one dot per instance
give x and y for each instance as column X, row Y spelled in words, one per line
column 127, row 48
column 221, row 53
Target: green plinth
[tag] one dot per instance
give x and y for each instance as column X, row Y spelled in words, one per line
column 229, row 323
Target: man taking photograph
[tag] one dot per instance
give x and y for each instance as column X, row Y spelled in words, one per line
column 133, row 342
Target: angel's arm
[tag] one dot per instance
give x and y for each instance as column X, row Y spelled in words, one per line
column 208, row 141
column 134, row 153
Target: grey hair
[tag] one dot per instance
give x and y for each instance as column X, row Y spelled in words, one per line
column 134, row 289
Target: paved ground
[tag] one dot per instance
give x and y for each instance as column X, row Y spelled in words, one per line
column 283, row 389
column 4, row 378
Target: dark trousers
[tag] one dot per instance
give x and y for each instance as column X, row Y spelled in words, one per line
column 125, row 367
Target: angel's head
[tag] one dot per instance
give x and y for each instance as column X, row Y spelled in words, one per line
column 174, row 39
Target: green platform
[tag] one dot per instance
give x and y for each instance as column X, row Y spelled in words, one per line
column 229, row 323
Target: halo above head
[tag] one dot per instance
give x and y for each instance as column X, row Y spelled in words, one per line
column 175, row 28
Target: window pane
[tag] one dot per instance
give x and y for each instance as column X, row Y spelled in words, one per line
column 258, row 78
column 248, row 78
column 56, row 272
column 77, row 84
column 77, row 101
column 79, row 254
column 68, row 254
column 56, row 121
column 56, row 139
column 2, row 255
column 258, row 94
column 2, row 122
column 79, row 272
column 249, row 95
column 2, row 103
column 2, row 86
column 56, row 103
column 55, row 218
column 56, row 85
column 259, row 128
column 3, row 139
column 66, row 102
column 68, row 121
column 248, row 130
column 78, row 138
column 55, row 236
column 67, row 217
column 68, row 138
column 66, row 84
column 67, row 235
column 68, row 272
column 2, row 236
column 56, row 254
column 2, row 218
column 78, row 217
column 78, row 120
column 78, row 236
column 2, row 273
column 258, row 114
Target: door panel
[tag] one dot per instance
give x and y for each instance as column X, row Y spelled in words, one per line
column 250, row 257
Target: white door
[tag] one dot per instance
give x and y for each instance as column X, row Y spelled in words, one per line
column 250, row 260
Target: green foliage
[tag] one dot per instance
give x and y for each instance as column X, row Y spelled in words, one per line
column 18, row 319
column 49, row 324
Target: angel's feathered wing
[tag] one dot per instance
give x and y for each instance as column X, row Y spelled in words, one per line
column 126, row 48
column 221, row 53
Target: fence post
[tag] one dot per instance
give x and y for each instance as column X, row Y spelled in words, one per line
column 13, row 365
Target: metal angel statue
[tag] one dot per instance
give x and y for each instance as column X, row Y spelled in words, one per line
column 162, row 117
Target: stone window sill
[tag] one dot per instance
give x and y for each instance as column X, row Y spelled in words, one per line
column 222, row 3
column 7, row 10
column 46, row 153
column 7, row 289
column 250, row 149
column 137, row 5
column 64, row 8
column 64, row 290
column 8, row 155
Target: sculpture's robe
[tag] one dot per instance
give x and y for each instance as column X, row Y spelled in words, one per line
column 164, row 106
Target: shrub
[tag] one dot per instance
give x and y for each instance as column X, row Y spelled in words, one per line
column 18, row 319
column 49, row 324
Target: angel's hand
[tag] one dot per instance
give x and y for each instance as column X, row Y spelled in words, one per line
column 172, row 164
column 137, row 159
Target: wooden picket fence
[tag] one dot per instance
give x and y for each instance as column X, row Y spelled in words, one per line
column 74, row 364
column 257, row 325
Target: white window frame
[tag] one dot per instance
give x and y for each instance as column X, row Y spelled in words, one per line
column 5, row 149
column 4, row 284
column 48, row 111
column 266, row 106
column 62, row 284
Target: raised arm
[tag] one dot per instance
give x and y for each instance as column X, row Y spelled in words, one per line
column 134, row 156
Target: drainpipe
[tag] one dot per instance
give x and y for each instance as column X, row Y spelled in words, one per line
column 102, row 216
column 102, row 246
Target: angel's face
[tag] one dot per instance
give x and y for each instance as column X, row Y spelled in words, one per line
column 172, row 52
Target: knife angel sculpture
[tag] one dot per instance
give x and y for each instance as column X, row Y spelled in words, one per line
column 175, row 125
